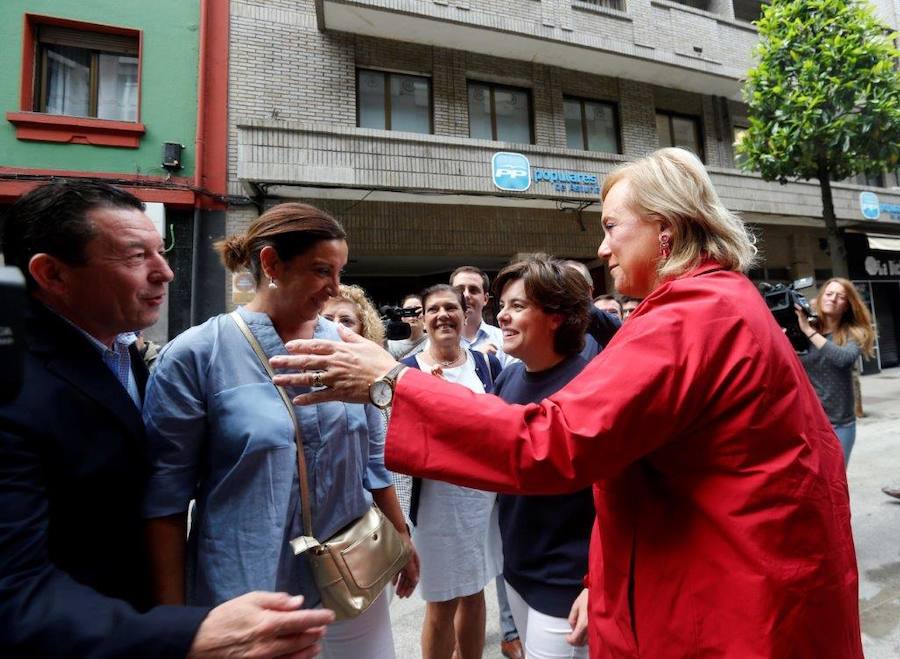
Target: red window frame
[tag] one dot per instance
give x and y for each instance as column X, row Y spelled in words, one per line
column 43, row 127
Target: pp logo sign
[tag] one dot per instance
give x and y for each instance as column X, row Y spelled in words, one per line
column 511, row 171
column 869, row 205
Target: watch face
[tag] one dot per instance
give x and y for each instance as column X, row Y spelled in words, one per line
column 381, row 393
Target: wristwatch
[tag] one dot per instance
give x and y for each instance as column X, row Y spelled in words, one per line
column 381, row 392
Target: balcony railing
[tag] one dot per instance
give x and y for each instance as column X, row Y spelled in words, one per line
column 616, row 5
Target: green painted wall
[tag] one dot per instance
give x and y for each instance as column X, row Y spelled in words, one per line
column 171, row 30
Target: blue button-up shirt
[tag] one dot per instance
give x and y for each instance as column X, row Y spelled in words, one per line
column 117, row 358
column 219, row 432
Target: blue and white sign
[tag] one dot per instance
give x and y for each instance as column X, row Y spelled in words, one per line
column 570, row 182
column 868, row 204
column 872, row 208
column 511, row 171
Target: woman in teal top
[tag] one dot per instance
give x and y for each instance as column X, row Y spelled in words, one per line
column 219, row 433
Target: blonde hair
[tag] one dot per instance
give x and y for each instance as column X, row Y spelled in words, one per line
column 856, row 323
column 672, row 185
column 372, row 327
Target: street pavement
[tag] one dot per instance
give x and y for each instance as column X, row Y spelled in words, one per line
column 875, row 462
column 876, row 527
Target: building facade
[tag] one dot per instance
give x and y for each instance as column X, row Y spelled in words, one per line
column 444, row 132
column 130, row 93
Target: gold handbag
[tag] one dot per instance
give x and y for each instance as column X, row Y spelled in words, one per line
column 353, row 567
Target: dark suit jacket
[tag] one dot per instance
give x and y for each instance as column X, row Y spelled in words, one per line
column 73, row 570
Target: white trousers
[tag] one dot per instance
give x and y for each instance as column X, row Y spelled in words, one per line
column 543, row 636
column 368, row 636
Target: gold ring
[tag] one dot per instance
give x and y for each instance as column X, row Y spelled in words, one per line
column 317, row 380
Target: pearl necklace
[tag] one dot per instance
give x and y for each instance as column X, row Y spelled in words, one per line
column 447, row 364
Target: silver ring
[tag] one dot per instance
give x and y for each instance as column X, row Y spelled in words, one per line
column 317, row 379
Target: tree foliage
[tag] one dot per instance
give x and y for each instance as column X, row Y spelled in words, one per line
column 825, row 93
column 824, row 99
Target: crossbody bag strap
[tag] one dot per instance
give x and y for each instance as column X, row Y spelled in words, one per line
column 301, row 459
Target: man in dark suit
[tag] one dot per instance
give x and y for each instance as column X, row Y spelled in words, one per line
column 74, row 578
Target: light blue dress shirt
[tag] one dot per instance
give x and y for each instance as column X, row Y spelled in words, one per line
column 489, row 334
column 219, row 432
column 117, row 358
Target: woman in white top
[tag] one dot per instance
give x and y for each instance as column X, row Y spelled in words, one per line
column 457, row 534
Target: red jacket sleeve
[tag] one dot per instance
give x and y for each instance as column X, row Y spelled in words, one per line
column 646, row 388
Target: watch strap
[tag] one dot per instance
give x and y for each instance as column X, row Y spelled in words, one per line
column 391, row 376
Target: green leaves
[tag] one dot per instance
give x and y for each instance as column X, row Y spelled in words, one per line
column 825, row 89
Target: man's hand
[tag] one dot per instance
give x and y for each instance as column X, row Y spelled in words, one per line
column 487, row 349
column 261, row 625
column 578, row 618
column 345, row 368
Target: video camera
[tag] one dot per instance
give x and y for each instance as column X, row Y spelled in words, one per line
column 12, row 326
column 781, row 300
column 394, row 327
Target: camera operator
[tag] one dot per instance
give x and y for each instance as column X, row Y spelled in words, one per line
column 844, row 331
column 416, row 342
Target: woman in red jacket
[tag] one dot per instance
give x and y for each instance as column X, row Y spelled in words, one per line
column 723, row 520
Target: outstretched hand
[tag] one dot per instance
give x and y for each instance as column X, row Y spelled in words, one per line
column 261, row 625
column 338, row 370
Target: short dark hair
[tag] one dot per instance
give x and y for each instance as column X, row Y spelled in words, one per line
column 53, row 219
column 556, row 288
column 291, row 229
column 409, row 295
column 485, row 281
column 443, row 288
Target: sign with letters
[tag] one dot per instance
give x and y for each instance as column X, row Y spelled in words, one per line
column 874, row 209
column 511, row 171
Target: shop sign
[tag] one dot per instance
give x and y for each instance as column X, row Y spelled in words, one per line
column 882, row 267
column 571, row 182
column 873, row 209
column 512, row 172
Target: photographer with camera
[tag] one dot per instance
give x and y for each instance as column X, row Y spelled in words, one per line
column 411, row 314
column 843, row 332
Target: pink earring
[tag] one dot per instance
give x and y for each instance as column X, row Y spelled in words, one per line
column 665, row 248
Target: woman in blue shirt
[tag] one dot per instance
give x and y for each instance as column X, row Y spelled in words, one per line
column 218, row 433
column 544, row 312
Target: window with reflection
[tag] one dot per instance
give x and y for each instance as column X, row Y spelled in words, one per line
column 393, row 101
column 497, row 112
column 679, row 130
column 591, row 125
column 738, row 133
column 86, row 74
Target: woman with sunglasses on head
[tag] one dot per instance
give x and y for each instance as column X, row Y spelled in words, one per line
column 455, row 528
column 843, row 333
